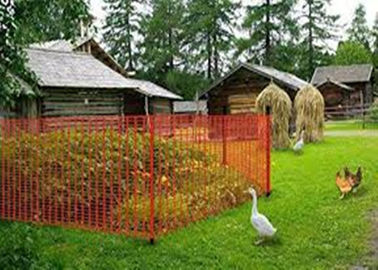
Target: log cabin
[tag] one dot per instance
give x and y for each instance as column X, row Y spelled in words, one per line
column 82, row 79
column 338, row 94
column 190, row 107
column 345, row 85
column 237, row 91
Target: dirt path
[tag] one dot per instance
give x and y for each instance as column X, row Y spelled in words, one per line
column 371, row 259
column 374, row 240
column 352, row 133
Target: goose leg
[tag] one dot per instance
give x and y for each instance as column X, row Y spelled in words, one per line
column 259, row 241
column 342, row 196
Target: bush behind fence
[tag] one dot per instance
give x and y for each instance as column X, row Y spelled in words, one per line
column 141, row 176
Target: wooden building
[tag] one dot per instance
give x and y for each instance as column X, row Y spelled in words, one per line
column 73, row 81
column 190, row 107
column 345, row 85
column 237, row 92
column 338, row 94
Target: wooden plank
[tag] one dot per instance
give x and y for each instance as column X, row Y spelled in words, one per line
column 75, row 105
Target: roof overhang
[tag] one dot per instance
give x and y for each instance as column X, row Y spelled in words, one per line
column 336, row 83
column 249, row 68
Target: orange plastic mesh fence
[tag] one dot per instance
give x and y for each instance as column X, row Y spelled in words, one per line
column 141, row 176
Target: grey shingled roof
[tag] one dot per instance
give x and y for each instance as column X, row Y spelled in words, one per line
column 56, row 45
column 189, row 106
column 343, row 74
column 82, row 70
column 289, row 80
column 339, row 84
column 60, row 44
column 286, row 78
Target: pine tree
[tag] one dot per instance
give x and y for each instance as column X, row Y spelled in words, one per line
column 12, row 65
column 268, row 24
column 210, row 33
column 27, row 21
column 359, row 30
column 44, row 20
column 318, row 28
column 375, row 41
column 162, row 32
column 121, row 26
column 351, row 52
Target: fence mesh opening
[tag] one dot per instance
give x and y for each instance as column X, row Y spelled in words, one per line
column 141, row 176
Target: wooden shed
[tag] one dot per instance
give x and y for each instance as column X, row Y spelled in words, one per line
column 345, row 85
column 337, row 94
column 77, row 83
column 190, row 107
column 237, row 92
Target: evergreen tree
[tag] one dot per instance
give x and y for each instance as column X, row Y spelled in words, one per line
column 349, row 53
column 27, row 21
column 375, row 42
column 185, row 83
column 210, row 33
column 268, row 24
column 162, row 32
column 318, row 28
column 121, row 25
column 12, row 64
column 359, row 30
column 44, row 20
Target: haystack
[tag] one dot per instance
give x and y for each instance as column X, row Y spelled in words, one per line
column 309, row 110
column 279, row 102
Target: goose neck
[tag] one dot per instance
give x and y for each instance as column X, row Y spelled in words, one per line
column 254, row 204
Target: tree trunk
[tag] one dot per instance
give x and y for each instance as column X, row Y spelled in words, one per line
column 170, row 39
column 268, row 45
column 310, row 38
column 216, row 56
column 209, row 56
column 129, row 46
column 170, row 45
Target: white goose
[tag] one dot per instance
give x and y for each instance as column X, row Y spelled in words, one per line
column 298, row 147
column 260, row 222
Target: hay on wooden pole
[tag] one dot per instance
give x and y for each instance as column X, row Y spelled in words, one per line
column 281, row 106
column 309, row 110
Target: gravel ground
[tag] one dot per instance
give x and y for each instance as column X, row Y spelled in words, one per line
column 352, row 133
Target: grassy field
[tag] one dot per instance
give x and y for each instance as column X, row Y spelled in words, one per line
column 348, row 125
column 315, row 229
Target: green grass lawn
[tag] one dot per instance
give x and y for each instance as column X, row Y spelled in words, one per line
column 315, row 229
column 349, row 125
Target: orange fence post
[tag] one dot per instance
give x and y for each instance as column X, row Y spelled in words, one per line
column 268, row 149
column 224, row 138
column 152, row 182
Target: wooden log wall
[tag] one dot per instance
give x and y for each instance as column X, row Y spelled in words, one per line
column 242, row 103
column 334, row 95
column 238, row 94
column 134, row 104
column 66, row 102
column 160, row 106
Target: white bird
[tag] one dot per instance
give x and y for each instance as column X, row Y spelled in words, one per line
column 260, row 222
column 298, row 147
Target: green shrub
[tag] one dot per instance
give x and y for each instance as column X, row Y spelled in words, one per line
column 373, row 112
column 66, row 163
column 224, row 188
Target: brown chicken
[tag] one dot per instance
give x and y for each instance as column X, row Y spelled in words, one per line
column 349, row 182
column 353, row 179
column 343, row 185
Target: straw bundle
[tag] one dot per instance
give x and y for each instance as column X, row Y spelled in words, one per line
column 279, row 102
column 309, row 109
